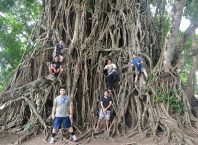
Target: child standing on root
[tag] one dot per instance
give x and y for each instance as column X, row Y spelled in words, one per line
column 58, row 50
column 111, row 74
column 62, row 113
column 56, row 68
column 106, row 103
column 137, row 63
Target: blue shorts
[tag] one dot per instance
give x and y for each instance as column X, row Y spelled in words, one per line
column 58, row 121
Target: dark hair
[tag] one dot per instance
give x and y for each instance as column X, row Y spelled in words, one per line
column 133, row 52
column 62, row 88
column 109, row 59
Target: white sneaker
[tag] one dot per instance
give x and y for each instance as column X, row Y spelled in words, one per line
column 74, row 138
column 52, row 140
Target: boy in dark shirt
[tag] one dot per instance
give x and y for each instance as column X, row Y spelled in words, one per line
column 58, row 50
column 56, row 68
column 106, row 103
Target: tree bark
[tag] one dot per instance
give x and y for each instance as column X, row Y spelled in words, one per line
column 190, row 85
column 176, row 16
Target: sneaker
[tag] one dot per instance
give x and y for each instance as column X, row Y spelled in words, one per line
column 52, row 140
column 74, row 138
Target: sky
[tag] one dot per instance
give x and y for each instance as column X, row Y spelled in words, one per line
column 184, row 24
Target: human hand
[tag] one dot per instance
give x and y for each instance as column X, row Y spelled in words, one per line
column 53, row 116
column 71, row 118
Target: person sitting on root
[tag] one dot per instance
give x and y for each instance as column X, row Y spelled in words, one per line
column 58, row 50
column 111, row 73
column 62, row 114
column 137, row 63
column 106, row 104
column 56, row 68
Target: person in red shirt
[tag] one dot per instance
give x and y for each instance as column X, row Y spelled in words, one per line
column 56, row 68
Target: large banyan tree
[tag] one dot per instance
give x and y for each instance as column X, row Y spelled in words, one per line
column 95, row 30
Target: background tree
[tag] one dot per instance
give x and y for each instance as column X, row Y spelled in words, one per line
column 16, row 22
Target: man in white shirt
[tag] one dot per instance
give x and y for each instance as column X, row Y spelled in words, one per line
column 62, row 113
column 111, row 73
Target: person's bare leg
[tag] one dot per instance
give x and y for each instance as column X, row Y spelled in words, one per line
column 71, row 130
column 107, row 124
column 54, row 132
column 145, row 73
column 98, row 124
column 61, row 58
column 60, row 72
column 50, row 70
column 136, row 78
column 73, row 136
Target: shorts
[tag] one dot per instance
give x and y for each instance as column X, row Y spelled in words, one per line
column 137, row 72
column 104, row 115
column 58, row 121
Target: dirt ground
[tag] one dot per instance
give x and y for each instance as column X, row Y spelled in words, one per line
column 10, row 139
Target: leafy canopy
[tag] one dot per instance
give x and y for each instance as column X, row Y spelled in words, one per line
column 17, row 18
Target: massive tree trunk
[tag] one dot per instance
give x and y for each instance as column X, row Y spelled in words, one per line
column 176, row 15
column 94, row 31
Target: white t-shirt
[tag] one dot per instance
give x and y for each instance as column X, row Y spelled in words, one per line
column 111, row 68
column 62, row 104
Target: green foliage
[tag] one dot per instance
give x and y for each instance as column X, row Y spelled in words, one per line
column 187, row 60
column 150, row 77
column 5, row 5
column 89, row 10
column 16, row 20
column 191, row 10
column 166, row 25
column 168, row 96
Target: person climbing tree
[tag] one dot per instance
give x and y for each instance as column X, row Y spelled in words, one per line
column 106, row 103
column 62, row 113
column 137, row 63
column 56, row 68
column 111, row 73
column 58, row 50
